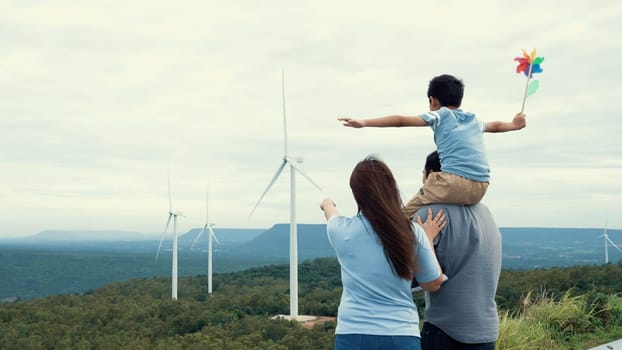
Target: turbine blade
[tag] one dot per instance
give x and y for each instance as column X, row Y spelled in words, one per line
column 276, row 176
column 206, row 207
column 170, row 201
column 298, row 169
column 162, row 236
column 613, row 244
column 198, row 236
column 167, row 223
column 284, row 116
column 211, row 232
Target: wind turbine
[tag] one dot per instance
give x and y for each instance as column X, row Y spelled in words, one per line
column 608, row 240
column 211, row 235
column 171, row 214
column 293, row 234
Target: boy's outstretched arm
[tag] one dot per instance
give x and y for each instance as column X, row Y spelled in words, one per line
column 517, row 123
column 388, row 121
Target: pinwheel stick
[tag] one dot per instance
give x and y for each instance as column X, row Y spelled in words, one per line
column 522, row 109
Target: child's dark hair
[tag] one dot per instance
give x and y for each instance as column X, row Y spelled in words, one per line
column 447, row 89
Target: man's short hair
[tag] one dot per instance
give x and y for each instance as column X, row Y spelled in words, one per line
column 432, row 163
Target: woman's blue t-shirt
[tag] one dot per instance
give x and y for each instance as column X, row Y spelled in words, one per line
column 375, row 300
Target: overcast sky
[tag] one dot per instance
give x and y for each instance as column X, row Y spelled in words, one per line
column 100, row 98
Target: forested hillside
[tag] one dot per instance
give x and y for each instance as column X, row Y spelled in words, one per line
column 38, row 272
column 39, row 266
column 139, row 314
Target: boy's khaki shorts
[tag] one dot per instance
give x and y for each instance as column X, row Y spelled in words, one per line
column 446, row 188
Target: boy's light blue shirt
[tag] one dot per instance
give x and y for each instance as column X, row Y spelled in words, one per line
column 460, row 143
column 375, row 300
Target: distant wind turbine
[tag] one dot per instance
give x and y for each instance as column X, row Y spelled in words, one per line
column 210, row 234
column 293, row 234
column 608, row 241
column 171, row 214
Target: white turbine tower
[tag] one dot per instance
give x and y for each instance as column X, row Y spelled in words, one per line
column 608, row 241
column 293, row 234
column 171, row 214
column 210, row 234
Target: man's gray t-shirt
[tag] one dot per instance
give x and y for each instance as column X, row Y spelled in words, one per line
column 469, row 251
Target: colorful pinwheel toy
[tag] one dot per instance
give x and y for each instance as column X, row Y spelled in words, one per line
column 529, row 64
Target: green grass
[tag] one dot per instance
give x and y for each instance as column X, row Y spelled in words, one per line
column 568, row 322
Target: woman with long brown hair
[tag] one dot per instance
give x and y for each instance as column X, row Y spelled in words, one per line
column 380, row 251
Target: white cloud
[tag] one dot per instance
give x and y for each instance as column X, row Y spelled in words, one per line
column 100, row 98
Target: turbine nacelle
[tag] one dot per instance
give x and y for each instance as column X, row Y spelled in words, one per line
column 294, row 159
column 212, row 234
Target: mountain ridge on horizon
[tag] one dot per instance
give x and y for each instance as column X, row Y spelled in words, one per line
column 34, row 265
column 243, row 234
